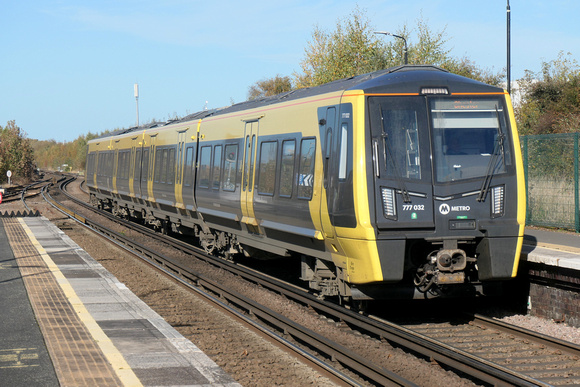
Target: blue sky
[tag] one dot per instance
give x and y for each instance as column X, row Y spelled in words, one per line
column 68, row 67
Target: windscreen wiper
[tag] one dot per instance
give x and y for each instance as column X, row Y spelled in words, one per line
column 492, row 165
column 400, row 182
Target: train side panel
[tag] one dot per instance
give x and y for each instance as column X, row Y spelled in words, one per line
column 358, row 178
column 275, row 202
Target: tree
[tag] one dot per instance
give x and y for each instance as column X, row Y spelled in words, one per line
column 16, row 153
column 51, row 154
column 550, row 98
column 269, row 87
column 353, row 49
column 467, row 68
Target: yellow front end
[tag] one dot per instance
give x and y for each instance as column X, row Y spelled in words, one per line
column 358, row 253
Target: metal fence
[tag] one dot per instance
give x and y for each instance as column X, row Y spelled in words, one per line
column 551, row 170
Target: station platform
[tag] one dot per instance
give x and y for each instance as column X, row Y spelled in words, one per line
column 553, row 248
column 66, row 321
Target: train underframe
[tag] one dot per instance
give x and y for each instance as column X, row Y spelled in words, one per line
column 446, row 268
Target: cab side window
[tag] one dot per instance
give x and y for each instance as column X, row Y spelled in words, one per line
column 306, row 168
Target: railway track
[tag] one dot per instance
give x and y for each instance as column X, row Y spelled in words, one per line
column 232, row 301
column 23, row 192
column 487, row 351
column 548, row 361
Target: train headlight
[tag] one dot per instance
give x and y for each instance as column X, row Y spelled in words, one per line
column 497, row 201
column 389, row 203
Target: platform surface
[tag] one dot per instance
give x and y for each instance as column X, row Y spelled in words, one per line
column 66, row 320
column 554, row 248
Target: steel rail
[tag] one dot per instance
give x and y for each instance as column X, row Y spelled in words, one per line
column 335, row 351
column 564, row 346
column 457, row 359
column 25, row 189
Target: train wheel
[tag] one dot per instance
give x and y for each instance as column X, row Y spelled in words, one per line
column 359, row 306
column 165, row 227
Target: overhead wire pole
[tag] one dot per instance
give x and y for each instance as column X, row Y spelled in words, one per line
column 509, row 82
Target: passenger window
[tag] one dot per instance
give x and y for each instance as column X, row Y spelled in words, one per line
column 121, row 166
column 126, row 164
column 230, row 166
column 118, row 167
column 145, row 165
column 204, row 166
column 151, row 166
column 267, row 177
column 188, row 179
column 164, row 166
column 217, row 162
column 110, row 161
column 343, row 164
column 171, row 166
column 287, row 168
column 306, row 169
column 157, row 169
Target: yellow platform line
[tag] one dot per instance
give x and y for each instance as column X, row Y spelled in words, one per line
column 115, row 358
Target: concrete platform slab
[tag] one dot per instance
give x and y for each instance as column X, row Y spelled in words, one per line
column 96, row 331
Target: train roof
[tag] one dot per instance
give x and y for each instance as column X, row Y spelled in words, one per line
column 400, row 79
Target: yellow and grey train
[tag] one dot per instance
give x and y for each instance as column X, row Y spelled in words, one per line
column 402, row 183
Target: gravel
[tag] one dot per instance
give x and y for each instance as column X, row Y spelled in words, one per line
column 546, row 327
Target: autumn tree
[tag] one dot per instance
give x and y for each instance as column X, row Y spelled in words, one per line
column 353, row 49
column 550, row 99
column 16, row 154
column 268, row 87
column 50, row 154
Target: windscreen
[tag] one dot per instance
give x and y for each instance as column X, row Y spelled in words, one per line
column 401, row 120
column 469, row 138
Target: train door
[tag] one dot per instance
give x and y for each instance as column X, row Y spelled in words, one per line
column 327, row 121
column 248, row 168
column 336, row 133
column 114, row 188
column 179, row 168
column 132, row 167
column 151, row 166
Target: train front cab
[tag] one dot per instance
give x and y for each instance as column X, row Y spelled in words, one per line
column 446, row 199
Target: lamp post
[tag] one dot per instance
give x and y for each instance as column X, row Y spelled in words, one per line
column 396, row 36
column 509, row 54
